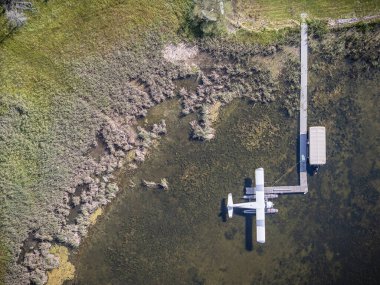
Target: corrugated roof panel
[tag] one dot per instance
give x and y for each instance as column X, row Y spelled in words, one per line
column 317, row 145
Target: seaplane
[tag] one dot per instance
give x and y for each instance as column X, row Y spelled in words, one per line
column 260, row 207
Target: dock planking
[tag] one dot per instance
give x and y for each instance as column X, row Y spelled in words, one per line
column 303, row 187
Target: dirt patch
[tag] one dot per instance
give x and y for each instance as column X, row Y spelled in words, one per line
column 180, row 53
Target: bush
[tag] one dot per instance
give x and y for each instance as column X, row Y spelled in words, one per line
column 207, row 19
column 317, row 27
column 15, row 18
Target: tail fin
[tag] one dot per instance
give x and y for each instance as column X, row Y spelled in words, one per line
column 230, row 205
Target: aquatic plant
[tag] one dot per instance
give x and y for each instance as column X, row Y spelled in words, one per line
column 259, row 134
column 149, row 184
column 290, row 84
column 204, row 132
column 164, row 184
column 159, row 129
column 65, row 270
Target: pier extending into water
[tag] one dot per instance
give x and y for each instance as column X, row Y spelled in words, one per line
column 303, row 108
column 302, row 188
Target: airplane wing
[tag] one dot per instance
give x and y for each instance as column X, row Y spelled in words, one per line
column 260, row 210
column 230, row 205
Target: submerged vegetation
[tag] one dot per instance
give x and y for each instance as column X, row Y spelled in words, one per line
column 179, row 237
column 77, row 77
column 257, row 135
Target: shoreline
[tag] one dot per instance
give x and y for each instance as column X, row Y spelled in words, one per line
column 121, row 143
column 125, row 144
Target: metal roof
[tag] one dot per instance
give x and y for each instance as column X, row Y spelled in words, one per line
column 317, row 145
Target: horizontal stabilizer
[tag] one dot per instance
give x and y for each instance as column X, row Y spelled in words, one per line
column 271, row 211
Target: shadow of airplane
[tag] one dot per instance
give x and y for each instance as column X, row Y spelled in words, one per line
column 223, row 210
column 240, row 212
column 248, row 227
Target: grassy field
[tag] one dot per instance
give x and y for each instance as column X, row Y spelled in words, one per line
column 62, row 31
column 280, row 10
column 260, row 14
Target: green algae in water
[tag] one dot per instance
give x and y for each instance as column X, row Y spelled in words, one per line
column 178, row 237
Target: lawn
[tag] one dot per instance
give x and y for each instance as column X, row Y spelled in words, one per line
column 262, row 14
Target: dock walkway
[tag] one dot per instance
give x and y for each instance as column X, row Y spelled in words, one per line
column 303, row 107
column 302, row 188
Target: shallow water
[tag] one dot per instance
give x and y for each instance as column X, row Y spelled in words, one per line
column 178, row 236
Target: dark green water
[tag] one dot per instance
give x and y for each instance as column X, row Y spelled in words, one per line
column 178, row 236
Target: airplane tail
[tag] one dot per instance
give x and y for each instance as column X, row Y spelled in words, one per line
column 230, row 205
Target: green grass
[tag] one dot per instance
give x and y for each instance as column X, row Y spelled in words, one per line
column 272, row 21
column 265, row 37
column 280, row 10
column 4, row 259
column 34, row 58
column 61, row 31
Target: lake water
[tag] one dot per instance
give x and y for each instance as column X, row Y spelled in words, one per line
column 178, row 236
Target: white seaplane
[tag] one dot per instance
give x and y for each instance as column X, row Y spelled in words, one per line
column 261, row 206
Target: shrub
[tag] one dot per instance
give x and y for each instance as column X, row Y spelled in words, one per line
column 317, row 27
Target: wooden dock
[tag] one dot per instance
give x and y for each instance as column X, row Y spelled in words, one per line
column 279, row 190
column 302, row 188
column 303, row 108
